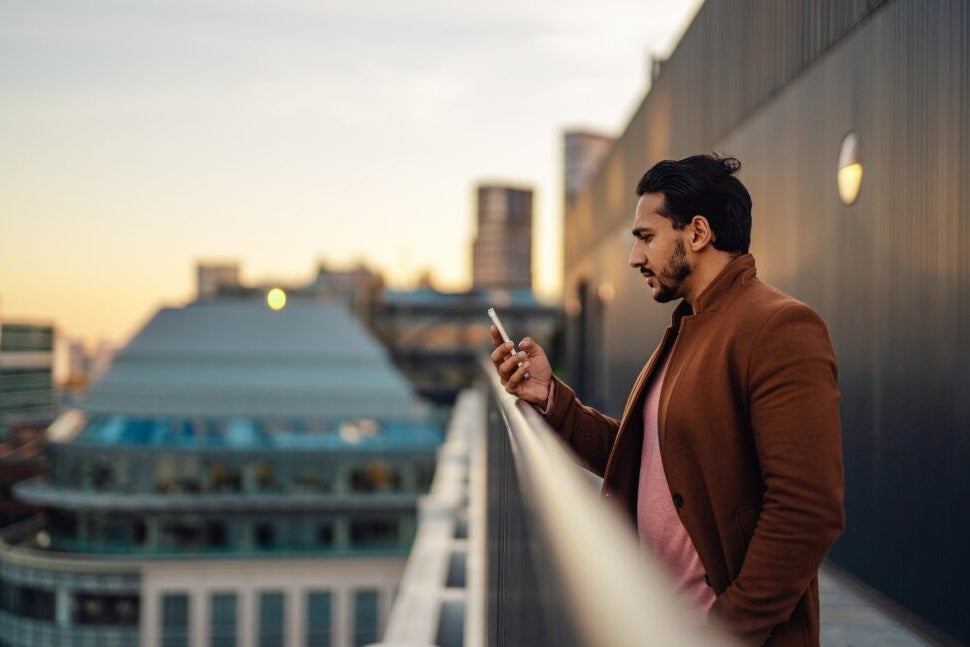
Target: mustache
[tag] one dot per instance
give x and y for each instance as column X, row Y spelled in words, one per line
column 645, row 272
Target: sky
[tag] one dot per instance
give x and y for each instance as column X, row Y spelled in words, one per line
column 138, row 137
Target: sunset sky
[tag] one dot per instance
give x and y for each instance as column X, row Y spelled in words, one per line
column 137, row 137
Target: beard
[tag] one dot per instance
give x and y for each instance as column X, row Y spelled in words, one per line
column 672, row 275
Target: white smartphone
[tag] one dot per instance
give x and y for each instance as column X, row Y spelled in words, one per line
column 505, row 336
column 498, row 324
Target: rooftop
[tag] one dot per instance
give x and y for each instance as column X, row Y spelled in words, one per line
column 237, row 358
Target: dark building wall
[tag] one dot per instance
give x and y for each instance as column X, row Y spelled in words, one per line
column 779, row 85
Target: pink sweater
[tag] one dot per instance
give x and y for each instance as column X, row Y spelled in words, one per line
column 658, row 524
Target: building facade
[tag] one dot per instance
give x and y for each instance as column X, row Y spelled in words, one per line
column 582, row 153
column 786, row 87
column 27, row 405
column 502, row 251
column 240, row 476
column 26, row 375
column 436, row 338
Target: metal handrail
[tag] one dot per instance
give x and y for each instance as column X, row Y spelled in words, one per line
column 615, row 595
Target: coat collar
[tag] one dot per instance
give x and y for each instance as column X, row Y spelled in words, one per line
column 736, row 273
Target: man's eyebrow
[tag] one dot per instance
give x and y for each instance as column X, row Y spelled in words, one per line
column 637, row 231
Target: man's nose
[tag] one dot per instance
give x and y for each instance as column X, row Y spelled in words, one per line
column 637, row 257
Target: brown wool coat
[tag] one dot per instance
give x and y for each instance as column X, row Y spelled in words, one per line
column 750, row 442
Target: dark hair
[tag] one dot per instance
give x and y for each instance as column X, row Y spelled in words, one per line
column 704, row 185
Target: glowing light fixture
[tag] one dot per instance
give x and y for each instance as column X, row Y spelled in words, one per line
column 276, row 299
column 850, row 169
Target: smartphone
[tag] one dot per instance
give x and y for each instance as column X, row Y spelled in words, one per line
column 498, row 324
column 505, row 336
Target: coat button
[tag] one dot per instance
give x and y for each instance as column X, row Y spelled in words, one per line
column 678, row 500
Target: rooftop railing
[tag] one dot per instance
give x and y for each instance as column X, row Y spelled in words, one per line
column 548, row 561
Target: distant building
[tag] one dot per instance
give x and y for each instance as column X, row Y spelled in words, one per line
column 502, row 251
column 239, row 476
column 84, row 366
column 436, row 337
column 433, row 337
column 582, row 153
column 357, row 288
column 214, row 279
column 26, row 375
column 27, row 406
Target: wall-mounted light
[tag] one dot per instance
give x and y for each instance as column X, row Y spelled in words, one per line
column 850, row 169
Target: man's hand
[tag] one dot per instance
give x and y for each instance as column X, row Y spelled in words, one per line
column 527, row 374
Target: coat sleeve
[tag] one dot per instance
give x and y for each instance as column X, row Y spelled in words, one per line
column 794, row 414
column 587, row 431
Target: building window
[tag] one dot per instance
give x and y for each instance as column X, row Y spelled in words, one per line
column 183, row 534
column 25, row 337
column 264, row 477
column 222, row 631
column 365, row 617
column 375, row 476
column 175, row 620
column 374, row 533
column 29, row 602
column 271, row 618
column 215, row 534
column 225, row 478
column 265, row 535
column 61, row 523
column 101, row 609
column 325, row 534
column 318, row 618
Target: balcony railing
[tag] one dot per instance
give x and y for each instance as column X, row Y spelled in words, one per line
column 546, row 561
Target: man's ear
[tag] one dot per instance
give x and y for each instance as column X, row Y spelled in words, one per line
column 699, row 233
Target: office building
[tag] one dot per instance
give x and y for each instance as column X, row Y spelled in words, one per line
column 240, row 476
column 583, row 151
column 26, row 375
column 502, row 251
column 27, row 405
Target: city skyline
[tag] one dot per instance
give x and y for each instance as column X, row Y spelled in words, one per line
column 141, row 139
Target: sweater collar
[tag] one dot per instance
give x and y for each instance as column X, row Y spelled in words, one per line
column 736, row 273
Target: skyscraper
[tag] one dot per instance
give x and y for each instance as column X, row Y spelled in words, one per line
column 582, row 153
column 502, row 252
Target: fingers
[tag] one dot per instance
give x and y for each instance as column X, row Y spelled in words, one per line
column 501, row 353
column 496, row 337
column 512, row 362
column 519, row 375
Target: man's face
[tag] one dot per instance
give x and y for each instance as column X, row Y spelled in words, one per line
column 658, row 250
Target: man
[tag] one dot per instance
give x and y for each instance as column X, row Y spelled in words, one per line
column 728, row 454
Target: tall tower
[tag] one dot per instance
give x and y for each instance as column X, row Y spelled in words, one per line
column 583, row 152
column 502, row 252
